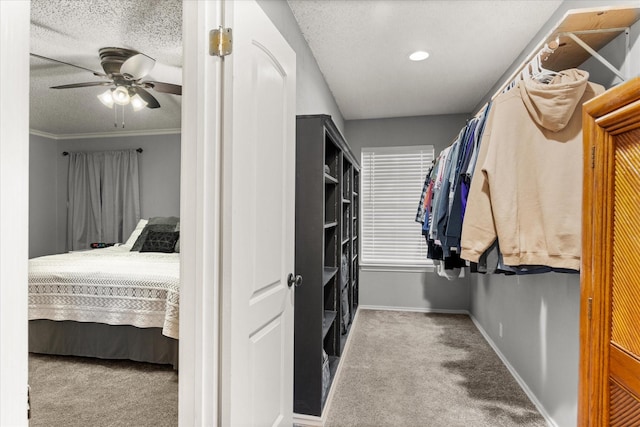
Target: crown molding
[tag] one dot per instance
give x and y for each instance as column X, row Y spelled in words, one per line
column 104, row 134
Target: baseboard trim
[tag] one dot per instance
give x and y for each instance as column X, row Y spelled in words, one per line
column 302, row 420
column 412, row 309
column 523, row 385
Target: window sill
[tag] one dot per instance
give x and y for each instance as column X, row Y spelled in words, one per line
column 398, row 268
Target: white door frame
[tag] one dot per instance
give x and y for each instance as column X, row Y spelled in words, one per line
column 14, row 209
column 200, row 232
column 200, row 211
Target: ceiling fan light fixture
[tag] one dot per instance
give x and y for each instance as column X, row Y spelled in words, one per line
column 106, row 98
column 137, row 102
column 121, row 95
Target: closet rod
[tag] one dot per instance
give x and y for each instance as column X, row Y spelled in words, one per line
column 66, row 153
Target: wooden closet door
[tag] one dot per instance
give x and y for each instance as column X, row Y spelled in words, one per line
column 610, row 283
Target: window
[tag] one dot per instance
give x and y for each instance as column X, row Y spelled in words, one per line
column 392, row 180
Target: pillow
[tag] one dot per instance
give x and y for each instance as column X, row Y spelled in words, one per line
column 160, row 241
column 145, row 233
column 136, row 232
column 177, row 248
column 157, row 224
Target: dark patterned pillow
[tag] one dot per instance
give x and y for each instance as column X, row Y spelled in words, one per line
column 160, row 241
column 145, row 232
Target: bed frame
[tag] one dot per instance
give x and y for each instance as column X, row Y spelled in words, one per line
column 102, row 341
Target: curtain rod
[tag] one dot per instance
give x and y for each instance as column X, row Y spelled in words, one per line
column 66, row 153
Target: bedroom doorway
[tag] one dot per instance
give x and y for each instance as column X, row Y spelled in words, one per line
column 114, row 324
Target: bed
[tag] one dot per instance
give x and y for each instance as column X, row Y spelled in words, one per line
column 110, row 303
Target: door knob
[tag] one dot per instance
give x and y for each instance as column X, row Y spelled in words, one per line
column 294, row 280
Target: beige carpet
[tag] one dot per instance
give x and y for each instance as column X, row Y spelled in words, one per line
column 82, row 392
column 427, row 370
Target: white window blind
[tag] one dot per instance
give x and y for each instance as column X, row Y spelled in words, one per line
column 391, row 185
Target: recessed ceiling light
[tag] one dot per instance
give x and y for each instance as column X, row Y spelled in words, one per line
column 419, row 55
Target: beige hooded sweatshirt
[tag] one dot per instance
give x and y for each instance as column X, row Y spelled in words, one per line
column 527, row 188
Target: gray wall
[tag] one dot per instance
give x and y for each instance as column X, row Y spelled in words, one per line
column 159, row 183
column 413, row 291
column 408, row 290
column 439, row 131
column 43, row 203
column 312, row 93
column 540, row 314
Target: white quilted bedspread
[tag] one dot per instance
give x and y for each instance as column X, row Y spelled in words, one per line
column 111, row 285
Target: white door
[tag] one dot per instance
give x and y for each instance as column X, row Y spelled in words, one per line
column 258, row 221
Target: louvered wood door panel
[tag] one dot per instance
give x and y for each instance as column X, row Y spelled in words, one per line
column 625, row 407
column 610, row 274
column 624, row 351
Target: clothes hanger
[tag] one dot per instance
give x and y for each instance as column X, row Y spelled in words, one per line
column 541, row 74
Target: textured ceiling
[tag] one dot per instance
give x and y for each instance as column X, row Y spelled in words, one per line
column 362, row 48
column 73, row 31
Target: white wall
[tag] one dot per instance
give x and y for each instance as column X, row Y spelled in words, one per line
column 159, row 165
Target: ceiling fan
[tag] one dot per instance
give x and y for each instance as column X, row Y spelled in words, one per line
column 124, row 69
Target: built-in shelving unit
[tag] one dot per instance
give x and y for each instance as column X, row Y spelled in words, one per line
column 327, row 176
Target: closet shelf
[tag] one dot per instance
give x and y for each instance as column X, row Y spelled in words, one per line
column 346, row 201
column 570, row 54
column 327, row 321
column 354, row 257
column 328, row 225
column 345, row 241
column 328, row 274
column 328, row 179
column 355, row 193
column 596, row 27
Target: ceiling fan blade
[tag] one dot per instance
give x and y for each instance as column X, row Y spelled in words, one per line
column 151, row 101
column 95, row 73
column 137, row 66
column 164, row 87
column 87, row 84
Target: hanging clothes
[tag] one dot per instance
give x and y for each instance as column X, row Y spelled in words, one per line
column 444, row 193
column 527, row 188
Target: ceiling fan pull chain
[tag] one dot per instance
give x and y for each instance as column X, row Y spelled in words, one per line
column 123, row 117
column 115, row 116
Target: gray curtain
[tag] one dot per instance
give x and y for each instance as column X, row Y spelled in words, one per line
column 103, row 197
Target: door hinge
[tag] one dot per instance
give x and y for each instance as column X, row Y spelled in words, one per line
column 593, row 157
column 220, row 42
column 589, row 307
